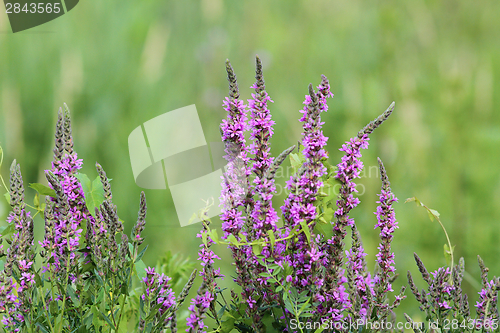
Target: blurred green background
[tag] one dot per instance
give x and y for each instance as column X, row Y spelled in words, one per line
column 118, row 64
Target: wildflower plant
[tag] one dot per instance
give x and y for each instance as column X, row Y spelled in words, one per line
column 86, row 275
column 296, row 273
column 292, row 269
column 444, row 303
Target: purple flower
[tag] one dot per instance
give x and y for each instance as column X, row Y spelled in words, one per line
column 360, row 281
column 304, row 186
column 386, row 221
column 159, row 286
column 263, row 215
column 487, row 304
column 198, row 308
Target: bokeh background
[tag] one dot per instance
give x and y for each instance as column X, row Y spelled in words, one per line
column 118, row 64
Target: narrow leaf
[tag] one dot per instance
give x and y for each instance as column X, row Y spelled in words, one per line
column 139, row 256
column 305, row 229
column 272, row 238
column 43, row 190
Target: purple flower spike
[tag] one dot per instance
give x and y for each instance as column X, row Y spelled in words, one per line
column 360, row 281
column 386, row 221
column 198, row 308
column 68, row 210
column 304, row 187
column 235, row 184
column 347, row 171
column 263, row 215
column 157, row 291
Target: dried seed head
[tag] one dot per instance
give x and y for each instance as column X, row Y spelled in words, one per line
column 104, row 181
column 233, row 84
column 141, row 221
column 124, row 253
column 270, row 173
column 185, row 291
column 383, row 176
column 16, row 188
column 59, row 136
column 414, row 325
column 484, row 271
column 259, row 76
column 68, row 137
column 62, row 204
column 423, row 270
column 372, row 125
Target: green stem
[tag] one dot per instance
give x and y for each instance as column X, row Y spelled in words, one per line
column 129, row 277
column 449, row 244
column 60, row 327
column 111, row 302
column 46, row 310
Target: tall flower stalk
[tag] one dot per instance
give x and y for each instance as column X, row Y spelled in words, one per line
column 236, row 192
column 386, row 221
column 348, row 170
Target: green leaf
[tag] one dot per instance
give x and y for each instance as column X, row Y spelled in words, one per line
column 272, row 238
column 304, row 306
column 295, row 161
column 140, row 268
column 242, row 237
column 88, row 320
column 214, row 236
column 53, row 308
column 433, row 213
column 414, row 199
column 95, row 318
column 7, row 197
column 123, row 327
column 232, row 239
column 43, row 190
column 103, row 316
column 305, row 229
column 139, row 256
column 227, row 326
column 192, row 218
column 289, row 306
column 328, row 214
column 325, row 229
column 257, row 249
column 447, row 253
column 42, row 328
column 94, row 192
column 59, row 322
column 204, row 238
column 7, row 230
column 38, row 280
column 73, row 296
column 36, row 201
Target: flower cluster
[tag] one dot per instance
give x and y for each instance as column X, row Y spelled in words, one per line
column 263, row 215
column 15, row 293
column 444, row 299
column 83, row 283
column 300, row 272
column 271, row 262
column 159, row 294
column 205, row 297
column 386, row 221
